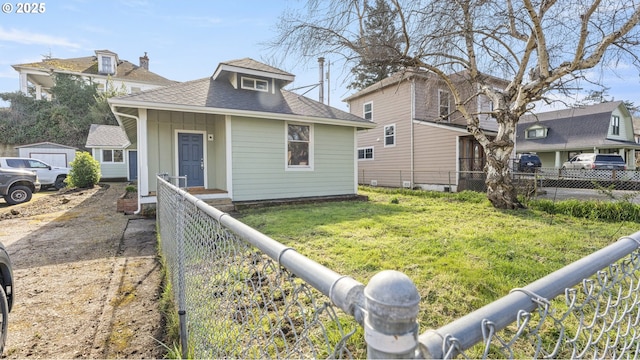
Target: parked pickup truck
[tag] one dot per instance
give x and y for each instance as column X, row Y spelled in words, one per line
column 47, row 174
column 17, row 185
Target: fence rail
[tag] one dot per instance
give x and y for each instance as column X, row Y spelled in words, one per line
column 474, row 180
column 241, row 294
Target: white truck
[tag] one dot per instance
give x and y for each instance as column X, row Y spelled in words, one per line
column 49, row 176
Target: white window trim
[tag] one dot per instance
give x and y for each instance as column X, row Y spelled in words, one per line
column 102, row 161
column 448, row 94
column 384, row 135
column 615, row 124
column 255, row 83
column 364, row 111
column 365, row 153
column 308, row 167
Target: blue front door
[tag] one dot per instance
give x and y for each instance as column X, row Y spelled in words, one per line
column 133, row 165
column 190, row 158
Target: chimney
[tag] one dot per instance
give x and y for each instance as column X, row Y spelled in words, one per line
column 321, row 65
column 144, row 61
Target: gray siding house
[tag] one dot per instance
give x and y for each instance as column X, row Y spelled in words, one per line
column 111, row 147
column 556, row 136
column 239, row 135
column 419, row 140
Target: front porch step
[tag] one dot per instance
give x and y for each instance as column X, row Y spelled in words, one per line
column 224, row 205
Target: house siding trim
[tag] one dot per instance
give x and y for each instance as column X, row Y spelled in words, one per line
column 241, row 113
column 310, row 155
column 176, row 155
column 229, row 155
column 395, row 135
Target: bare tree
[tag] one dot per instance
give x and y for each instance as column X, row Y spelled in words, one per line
column 538, row 46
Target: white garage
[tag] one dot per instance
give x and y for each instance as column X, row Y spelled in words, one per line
column 51, row 153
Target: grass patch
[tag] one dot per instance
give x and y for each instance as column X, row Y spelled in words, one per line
column 460, row 251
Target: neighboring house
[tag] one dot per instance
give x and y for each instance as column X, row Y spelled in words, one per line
column 419, row 140
column 51, row 153
column 556, row 136
column 108, row 144
column 239, row 135
column 95, row 69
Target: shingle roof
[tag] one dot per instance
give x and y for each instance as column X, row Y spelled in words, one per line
column 106, row 136
column 576, row 128
column 89, row 66
column 220, row 94
column 592, row 110
column 250, row 64
column 46, row 144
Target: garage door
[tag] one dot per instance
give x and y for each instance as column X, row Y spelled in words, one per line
column 51, row 159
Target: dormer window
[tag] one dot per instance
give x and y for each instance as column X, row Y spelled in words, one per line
column 254, row 84
column 536, row 132
column 107, row 62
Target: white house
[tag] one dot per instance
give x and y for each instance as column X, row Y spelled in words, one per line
column 96, row 69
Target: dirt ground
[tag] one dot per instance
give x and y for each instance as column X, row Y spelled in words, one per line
column 87, row 279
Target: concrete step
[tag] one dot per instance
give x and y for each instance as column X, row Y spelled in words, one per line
column 224, row 205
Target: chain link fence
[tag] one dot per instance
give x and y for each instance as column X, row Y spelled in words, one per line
column 241, row 294
column 572, row 313
column 627, row 180
column 236, row 301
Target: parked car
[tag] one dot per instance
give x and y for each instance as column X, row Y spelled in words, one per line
column 6, row 293
column 49, row 176
column 18, row 185
column 527, row 162
column 596, row 162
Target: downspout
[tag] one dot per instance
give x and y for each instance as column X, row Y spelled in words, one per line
column 413, row 112
column 138, row 163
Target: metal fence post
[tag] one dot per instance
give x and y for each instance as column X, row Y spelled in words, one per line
column 392, row 305
column 182, row 312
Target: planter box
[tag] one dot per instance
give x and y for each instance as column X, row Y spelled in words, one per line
column 127, row 203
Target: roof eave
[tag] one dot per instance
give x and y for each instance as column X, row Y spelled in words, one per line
column 223, row 111
column 242, row 70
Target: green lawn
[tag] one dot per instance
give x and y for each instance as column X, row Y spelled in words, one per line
column 460, row 252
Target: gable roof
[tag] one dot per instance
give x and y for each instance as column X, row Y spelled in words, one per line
column 602, row 109
column 106, row 136
column 576, row 128
column 252, row 67
column 88, row 66
column 216, row 95
column 408, row 74
column 46, row 144
column 394, row 79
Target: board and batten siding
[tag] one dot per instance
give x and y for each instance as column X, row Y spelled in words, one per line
column 391, row 105
column 259, row 161
column 162, row 147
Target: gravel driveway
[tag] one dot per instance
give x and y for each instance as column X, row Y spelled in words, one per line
column 87, row 279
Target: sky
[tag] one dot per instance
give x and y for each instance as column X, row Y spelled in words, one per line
column 186, row 40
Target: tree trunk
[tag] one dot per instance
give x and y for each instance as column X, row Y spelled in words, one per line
column 500, row 189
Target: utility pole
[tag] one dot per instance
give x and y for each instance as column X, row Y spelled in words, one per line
column 321, row 69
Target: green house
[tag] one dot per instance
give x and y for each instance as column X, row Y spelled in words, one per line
column 239, row 135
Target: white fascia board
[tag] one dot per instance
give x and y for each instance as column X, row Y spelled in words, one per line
column 254, row 114
column 245, row 71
